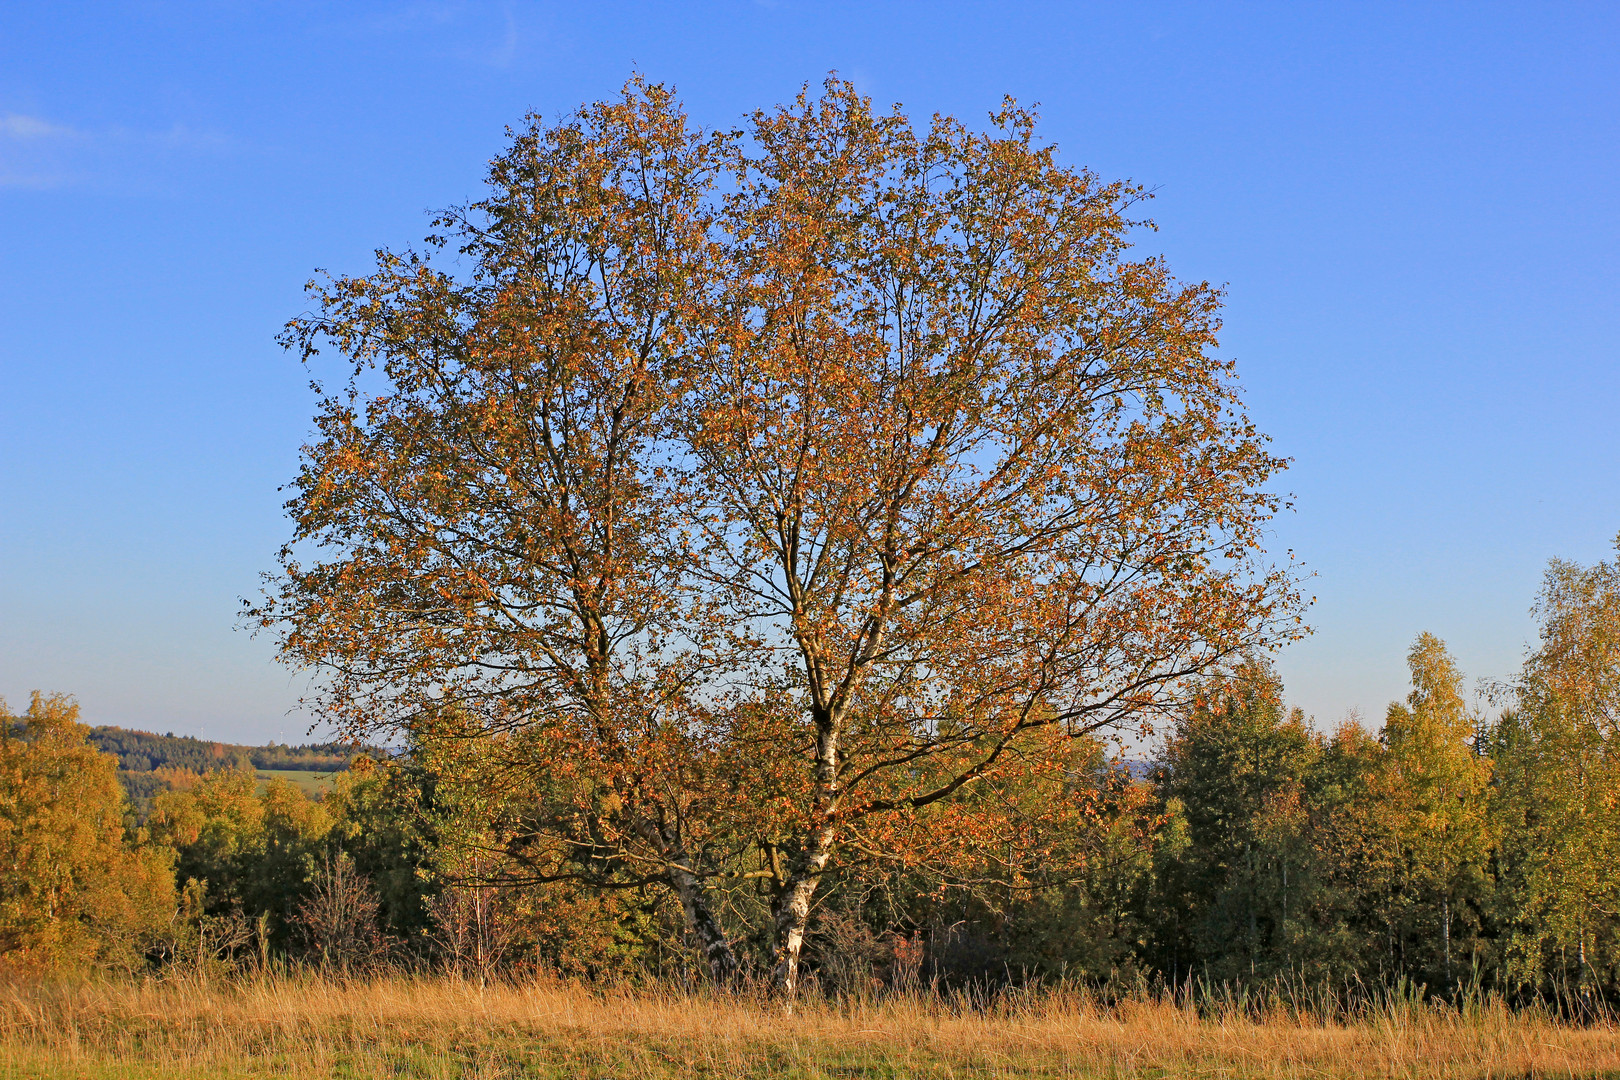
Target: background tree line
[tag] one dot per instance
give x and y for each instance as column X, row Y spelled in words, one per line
column 143, row 751
column 1454, row 847
column 149, row 763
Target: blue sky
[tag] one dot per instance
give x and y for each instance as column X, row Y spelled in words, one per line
column 1414, row 207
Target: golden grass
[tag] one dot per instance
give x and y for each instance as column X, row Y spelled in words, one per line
column 436, row 1027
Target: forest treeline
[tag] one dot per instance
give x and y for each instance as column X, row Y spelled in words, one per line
column 149, row 763
column 143, row 751
column 1463, row 842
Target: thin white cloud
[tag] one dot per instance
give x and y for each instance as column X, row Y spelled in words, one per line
column 181, row 137
column 503, row 55
column 18, row 126
column 39, row 154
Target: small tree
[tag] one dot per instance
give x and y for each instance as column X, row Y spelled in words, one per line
column 1555, row 810
column 475, row 925
column 76, row 888
column 1438, row 783
column 1237, row 765
column 339, row 916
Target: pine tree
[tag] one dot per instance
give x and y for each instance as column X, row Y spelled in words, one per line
column 1234, row 903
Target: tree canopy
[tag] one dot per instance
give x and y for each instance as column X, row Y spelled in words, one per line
column 76, row 888
column 750, row 495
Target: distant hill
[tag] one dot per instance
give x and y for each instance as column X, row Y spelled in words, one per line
column 149, row 763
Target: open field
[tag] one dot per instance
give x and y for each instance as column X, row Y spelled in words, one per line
column 312, row 783
column 420, row 1027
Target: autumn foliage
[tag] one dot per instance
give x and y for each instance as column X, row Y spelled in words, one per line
column 76, row 890
column 745, row 491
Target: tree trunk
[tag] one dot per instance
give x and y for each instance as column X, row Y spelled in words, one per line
column 792, row 921
column 704, row 927
column 792, row 900
column 1287, row 952
column 690, row 889
column 792, row 912
column 1446, row 936
column 1254, row 889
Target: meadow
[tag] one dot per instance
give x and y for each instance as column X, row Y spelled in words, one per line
column 306, row 1026
column 311, row 782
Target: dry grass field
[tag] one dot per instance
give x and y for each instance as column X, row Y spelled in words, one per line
column 435, row 1027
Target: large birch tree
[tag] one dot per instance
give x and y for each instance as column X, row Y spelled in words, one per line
column 754, row 496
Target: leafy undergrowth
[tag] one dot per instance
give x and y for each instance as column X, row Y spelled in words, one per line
column 423, row 1027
